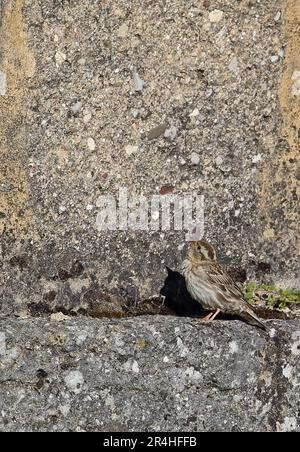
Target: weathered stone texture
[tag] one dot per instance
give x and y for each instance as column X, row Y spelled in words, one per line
column 144, row 95
column 152, row 374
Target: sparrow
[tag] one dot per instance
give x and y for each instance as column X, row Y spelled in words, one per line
column 211, row 286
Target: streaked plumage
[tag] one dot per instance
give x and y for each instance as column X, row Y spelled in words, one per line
column 210, row 285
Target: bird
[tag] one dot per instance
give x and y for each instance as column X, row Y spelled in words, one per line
column 211, row 286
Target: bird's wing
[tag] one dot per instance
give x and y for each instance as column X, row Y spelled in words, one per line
column 226, row 289
column 226, row 294
column 218, row 276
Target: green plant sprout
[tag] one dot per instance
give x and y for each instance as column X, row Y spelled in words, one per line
column 275, row 298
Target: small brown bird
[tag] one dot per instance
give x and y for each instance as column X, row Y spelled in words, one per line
column 210, row 285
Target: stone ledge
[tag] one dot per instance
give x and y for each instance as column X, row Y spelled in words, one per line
column 152, row 373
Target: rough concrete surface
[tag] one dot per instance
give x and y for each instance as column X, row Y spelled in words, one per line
column 156, row 374
column 157, row 97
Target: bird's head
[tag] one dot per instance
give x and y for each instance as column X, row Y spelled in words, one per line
column 203, row 251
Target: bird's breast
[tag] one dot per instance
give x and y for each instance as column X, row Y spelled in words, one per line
column 198, row 287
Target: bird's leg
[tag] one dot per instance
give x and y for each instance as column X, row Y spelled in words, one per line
column 210, row 318
column 206, row 318
column 214, row 315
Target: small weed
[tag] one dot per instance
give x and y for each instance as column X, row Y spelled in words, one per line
column 275, row 298
column 249, row 291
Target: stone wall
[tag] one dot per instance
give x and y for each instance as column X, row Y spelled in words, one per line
column 221, row 77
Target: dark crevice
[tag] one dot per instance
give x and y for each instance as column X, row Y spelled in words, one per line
column 174, row 300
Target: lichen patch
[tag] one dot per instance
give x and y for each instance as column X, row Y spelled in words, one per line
column 18, row 64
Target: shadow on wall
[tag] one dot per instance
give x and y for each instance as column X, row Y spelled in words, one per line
column 177, row 297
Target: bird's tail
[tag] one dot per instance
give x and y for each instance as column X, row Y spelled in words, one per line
column 254, row 320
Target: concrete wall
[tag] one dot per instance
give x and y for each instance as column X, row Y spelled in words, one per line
column 222, row 75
